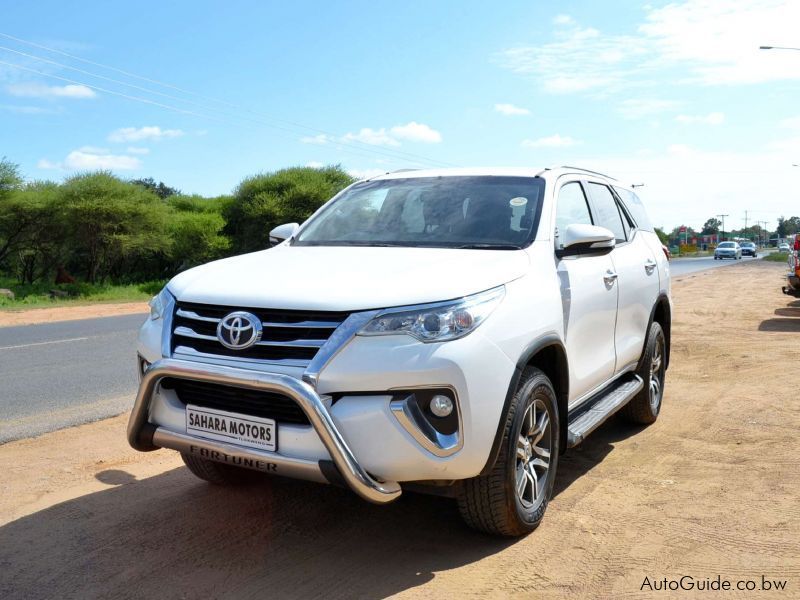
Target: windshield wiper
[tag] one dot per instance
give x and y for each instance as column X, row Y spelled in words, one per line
column 488, row 247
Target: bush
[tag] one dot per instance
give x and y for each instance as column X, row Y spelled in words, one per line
column 263, row 202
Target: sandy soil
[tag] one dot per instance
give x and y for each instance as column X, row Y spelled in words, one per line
column 34, row 316
column 711, row 489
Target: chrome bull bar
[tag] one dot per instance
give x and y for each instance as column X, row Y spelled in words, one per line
column 354, row 475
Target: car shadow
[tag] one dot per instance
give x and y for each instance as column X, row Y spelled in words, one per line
column 583, row 458
column 172, row 535
column 789, row 311
column 782, row 324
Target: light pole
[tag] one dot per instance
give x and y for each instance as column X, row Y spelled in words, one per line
column 723, row 228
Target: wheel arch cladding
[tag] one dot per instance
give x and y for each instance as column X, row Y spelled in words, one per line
column 663, row 315
column 549, row 356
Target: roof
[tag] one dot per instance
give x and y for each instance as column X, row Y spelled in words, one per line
column 486, row 171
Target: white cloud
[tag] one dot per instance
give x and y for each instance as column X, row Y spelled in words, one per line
column 563, row 20
column 94, row 150
column 319, row 140
column 374, row 137
column 510, row 110
column 714, row 118
column 137, row 150
column 637, row 108
column 553, row 141
column 416, row 132
column 690, row 42
column 410, row 132
column 40, row 90
column 89, row 158
column 152, row 132
column 791, row 123
column 46, row 164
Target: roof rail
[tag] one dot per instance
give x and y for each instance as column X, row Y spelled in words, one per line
column 401, row 171
column 589, row 171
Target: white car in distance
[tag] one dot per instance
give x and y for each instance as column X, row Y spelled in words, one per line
column 450, row 331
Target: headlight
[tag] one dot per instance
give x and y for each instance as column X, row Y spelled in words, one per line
column 438, row 322
column 159, row 303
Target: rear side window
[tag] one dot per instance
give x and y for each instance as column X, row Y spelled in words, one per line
column 606, row 211
column 571, row 208
column 635, row 207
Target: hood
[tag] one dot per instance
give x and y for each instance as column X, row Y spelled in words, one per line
column 347, row 278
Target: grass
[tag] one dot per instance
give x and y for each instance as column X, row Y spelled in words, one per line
column 37, row 295
column 777, row 257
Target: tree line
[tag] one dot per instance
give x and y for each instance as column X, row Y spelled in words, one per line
column 101, row 228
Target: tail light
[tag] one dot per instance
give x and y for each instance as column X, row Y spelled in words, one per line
column 796, row 261
column 666, row 251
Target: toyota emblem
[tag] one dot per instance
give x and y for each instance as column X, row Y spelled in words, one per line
column 239, row 330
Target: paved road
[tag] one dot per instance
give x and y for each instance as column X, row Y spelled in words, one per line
column 61, row 374
column 683, row 266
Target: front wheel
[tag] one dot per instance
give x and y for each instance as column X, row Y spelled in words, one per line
column 646, row 405
column 512, row 498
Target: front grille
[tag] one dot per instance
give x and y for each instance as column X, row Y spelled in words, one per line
column 255, row 403
column 291, row 337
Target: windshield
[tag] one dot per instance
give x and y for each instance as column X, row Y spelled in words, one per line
column 727, row 245
column 449, row 212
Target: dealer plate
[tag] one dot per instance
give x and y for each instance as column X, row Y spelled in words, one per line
column 223, row 426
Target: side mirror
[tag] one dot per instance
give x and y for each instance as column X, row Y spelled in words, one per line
column 582, row 240
column 282, row 233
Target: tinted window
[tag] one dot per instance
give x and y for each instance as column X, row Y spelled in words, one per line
column 635, row 208
column 571, row 208
column 430, row 211
column 606, row 211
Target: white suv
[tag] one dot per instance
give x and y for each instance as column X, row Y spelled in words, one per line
column 450, row 331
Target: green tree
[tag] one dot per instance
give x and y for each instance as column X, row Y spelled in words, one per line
column 195, row 230
column 662, row 236
column 112, row 225
column 265, row 201
column 39, row 250
column 160, row 189
column 14, row 220
column 787, row 227
column 712, row 226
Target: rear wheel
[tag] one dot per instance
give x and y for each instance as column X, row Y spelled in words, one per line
column 511, row 500
column 219, row 473
column 646, row 405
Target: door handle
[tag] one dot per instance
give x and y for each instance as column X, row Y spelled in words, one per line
column 610, row 277
column 649, row 266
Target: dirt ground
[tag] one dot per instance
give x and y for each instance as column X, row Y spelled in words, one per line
column 711, row 489
column 34, row 316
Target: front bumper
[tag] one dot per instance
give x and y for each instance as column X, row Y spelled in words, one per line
column 144, row 436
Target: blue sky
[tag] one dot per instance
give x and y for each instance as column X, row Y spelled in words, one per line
column 675, row 96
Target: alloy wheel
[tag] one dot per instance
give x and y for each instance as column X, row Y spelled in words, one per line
column 534, row 444
column 656, row 374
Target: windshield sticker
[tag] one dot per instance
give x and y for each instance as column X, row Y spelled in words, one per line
column 518, row 201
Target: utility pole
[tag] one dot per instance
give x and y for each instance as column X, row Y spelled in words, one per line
column 723, row 228
column 745, row 223
column 766, row 233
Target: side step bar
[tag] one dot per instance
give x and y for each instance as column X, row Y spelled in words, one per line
column 587, row 419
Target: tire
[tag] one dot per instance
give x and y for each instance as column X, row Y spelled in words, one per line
column 219, row 473
column 646, row 405
column 528, row 454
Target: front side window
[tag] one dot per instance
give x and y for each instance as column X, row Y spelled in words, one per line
column 571, row 209
column 450, row 212
column 608, row 214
